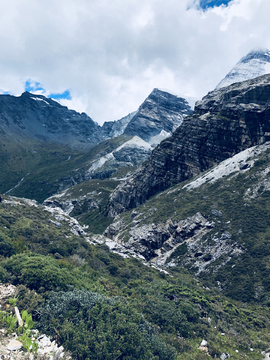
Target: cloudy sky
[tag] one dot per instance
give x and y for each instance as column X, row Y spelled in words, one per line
column 104, row 57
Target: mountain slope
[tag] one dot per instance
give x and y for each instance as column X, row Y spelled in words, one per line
column 254, row 64
column 69, row 272
column 226, row 121
column 46, row 148
column 39, row 170
column 216, row 226
column 36, row 117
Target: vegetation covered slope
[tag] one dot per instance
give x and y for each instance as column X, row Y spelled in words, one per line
column 37, row 170
column 113, row 306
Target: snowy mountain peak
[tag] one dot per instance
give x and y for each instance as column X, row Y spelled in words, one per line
column 254, row 64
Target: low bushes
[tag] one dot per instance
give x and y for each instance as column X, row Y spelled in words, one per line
column 93, row 326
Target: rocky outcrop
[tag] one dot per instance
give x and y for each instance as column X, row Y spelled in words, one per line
column 12, row 348
column 160, row 111
column 159, row 241
column 193, row 242
column 225, row 122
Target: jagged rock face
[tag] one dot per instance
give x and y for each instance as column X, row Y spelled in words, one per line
column 160, row 111
column 254, row 64
column 159, row 241
column 225, row 122
column 40, row 118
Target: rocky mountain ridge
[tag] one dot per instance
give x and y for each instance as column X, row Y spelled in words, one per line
column 43, row 139
column 161, row 111
column 225, row 122
column 39, row 118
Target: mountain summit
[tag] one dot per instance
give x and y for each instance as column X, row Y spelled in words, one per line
column 254, row 64
column 160, row 111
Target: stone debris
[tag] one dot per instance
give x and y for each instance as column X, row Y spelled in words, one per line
column 47, row 349
column 14, row 345
column 224, row 356
column 266, row 354
column 6, row 291
column 11, row 348
column 203, row 347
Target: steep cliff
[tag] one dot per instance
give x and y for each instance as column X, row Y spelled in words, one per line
column 225, row 122
column 111, row 129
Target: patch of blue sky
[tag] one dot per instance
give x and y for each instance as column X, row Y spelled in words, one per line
column 34, row 86
column 205, row 4
column 64, row 96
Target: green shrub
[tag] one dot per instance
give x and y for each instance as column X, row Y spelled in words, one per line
column 6, row 247
column 93, row 326
column 27, row 299
column 38, row 272
column 171, row 316
column 4, row 276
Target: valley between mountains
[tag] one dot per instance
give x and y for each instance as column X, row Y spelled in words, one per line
column 147, row 237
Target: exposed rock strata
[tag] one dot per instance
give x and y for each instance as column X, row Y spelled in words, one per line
column 225, row 122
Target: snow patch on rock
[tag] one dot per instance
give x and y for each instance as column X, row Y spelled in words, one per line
column 254, row 64
column 135, row 142
column 155, row 140
column 242, row 161
column 38, row 99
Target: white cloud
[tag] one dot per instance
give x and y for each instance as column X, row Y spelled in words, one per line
column 111, row 54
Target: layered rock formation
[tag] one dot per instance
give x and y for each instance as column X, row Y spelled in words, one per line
column 225, row 122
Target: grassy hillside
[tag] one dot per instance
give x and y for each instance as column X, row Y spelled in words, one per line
column 37, row 170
